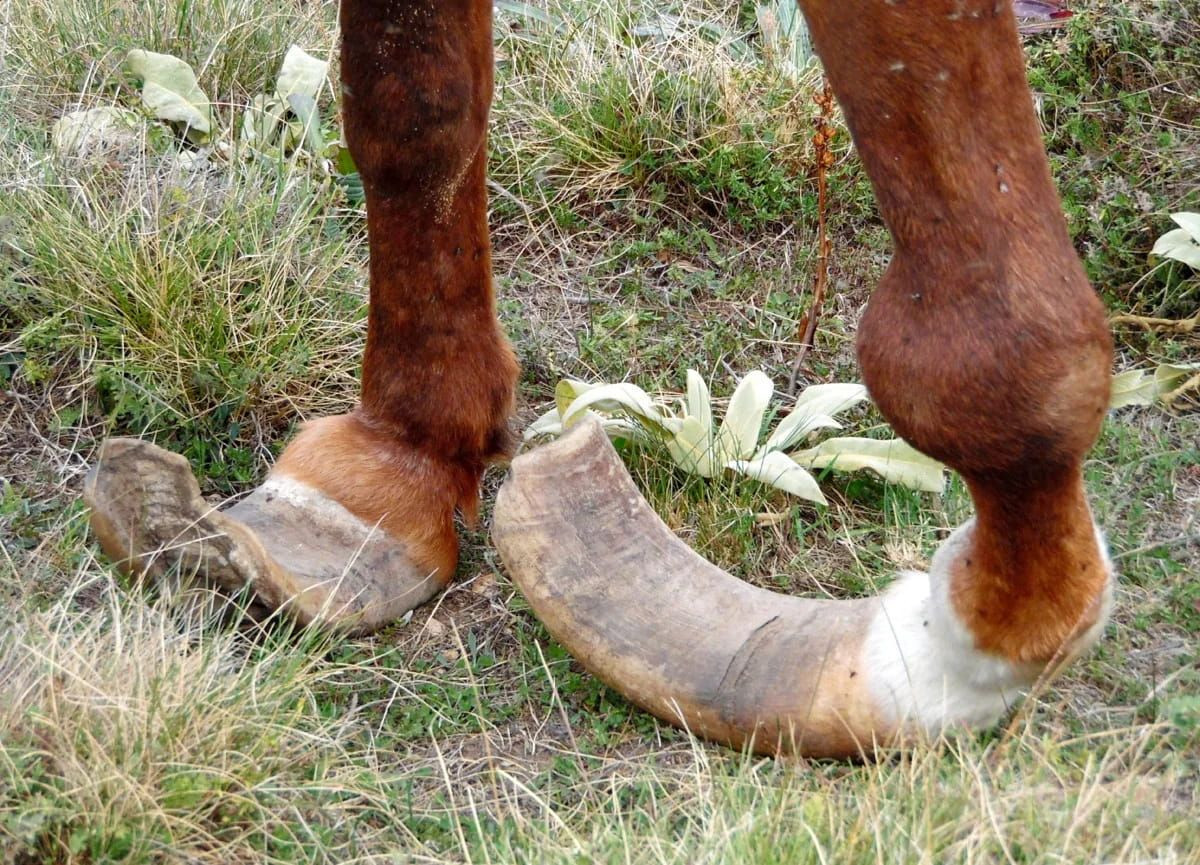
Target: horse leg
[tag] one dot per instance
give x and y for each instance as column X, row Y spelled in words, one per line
column 355, row 523
column 984, row 346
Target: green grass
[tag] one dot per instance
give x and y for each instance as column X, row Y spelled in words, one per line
column 652, row 210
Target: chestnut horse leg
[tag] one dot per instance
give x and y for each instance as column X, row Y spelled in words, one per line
column 984, row 346
column 355, row 524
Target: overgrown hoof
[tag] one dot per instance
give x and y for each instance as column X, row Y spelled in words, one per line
column 294, row 547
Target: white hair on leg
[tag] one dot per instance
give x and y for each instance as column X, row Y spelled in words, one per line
column 923, row 668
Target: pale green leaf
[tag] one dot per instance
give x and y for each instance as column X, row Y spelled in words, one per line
column 814, row 409
column 567, row 390
column 170, row 91
column 1183, row 243
column 894, row 460
column 1189, row 222
column 781, row 472
column 738, row 436
column 305, row 108
column 528, row 11
column 622, row 427
column 548, row 424
column 551, row 424
column 1169, row 376
column 699, row 402
column 1133, row 387
column 262, row 121
column 95, row 130
column 691, row 446
column 623, row 397
column 300, row 73
column 784, row 30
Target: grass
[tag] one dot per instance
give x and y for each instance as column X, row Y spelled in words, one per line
column 652, row 200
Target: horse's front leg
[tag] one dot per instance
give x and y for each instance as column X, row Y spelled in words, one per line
column 355, row 524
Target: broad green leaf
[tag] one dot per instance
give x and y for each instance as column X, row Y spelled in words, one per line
column 894, row 460
column 1133, row 387
column 1183, row 243
column 343, row 162
column 692, row 447
column 95, row 130
column 779, row 471
column 814, row 409
column 738, row 436
column 170, row 91
column 1169, row 376
column 699, row 402
column 627, row 398
column 300, row 73
column 567, row 391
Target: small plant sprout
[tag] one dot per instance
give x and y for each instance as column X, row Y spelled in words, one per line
column 686, row 428
column 1170, row 381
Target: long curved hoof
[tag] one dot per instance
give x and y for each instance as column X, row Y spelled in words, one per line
column 737, row 664
column 294, row 547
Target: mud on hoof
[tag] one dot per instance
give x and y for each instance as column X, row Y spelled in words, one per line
column 294, row 547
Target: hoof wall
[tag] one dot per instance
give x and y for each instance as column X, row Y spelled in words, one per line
column 294, row 547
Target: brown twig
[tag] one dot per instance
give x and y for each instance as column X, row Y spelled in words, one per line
column 1162, row 325
column 823, row 157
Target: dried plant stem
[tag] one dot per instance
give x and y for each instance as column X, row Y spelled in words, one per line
column 823, row 157
column 1162, row 325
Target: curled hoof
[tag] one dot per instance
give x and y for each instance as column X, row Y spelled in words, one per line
column 739, row 664
column 293, row 545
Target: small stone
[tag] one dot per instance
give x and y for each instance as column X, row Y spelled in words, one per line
column 434, row 628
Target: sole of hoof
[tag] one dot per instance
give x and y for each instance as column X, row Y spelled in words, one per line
column 294, row 547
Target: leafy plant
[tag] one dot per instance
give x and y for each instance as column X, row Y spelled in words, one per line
column 686, row 429
column 288, row 117
column 89, row 131
column 274, row 124
column 1139, row 387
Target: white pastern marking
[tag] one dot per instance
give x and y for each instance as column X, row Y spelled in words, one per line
column 921, row 662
